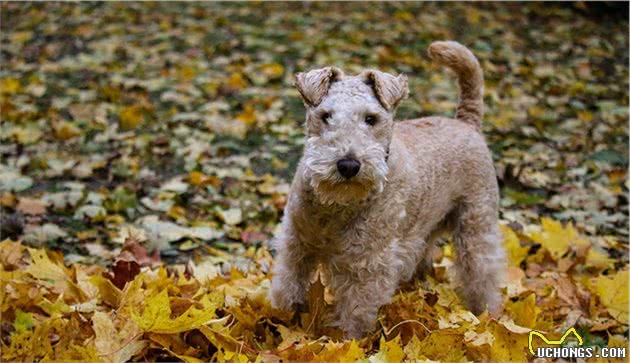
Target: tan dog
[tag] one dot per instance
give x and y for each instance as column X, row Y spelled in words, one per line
column 370, row 195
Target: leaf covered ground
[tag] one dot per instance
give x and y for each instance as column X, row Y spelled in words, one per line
column 147, row 151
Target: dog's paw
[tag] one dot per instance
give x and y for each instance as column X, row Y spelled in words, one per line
column 357, row 329
column 486, row 300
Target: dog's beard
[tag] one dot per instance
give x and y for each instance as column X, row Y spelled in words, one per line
column 320, row 169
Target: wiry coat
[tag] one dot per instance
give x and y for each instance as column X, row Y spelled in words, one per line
column 417, row 179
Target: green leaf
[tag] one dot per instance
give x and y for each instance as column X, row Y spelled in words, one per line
column 23, row 321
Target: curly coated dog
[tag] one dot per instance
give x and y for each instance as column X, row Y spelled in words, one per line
column 370, row 195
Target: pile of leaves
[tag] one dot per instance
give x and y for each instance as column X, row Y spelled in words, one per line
column 147, row 150
column 193, row 312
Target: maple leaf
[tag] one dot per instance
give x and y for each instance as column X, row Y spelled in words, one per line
column 43, row 268
column 525, row 312
column 597, row 259
column 389, row 351
column 115, row 345
column 557, row 239
column 510, row 342
column 340, row 352
column 156, row 316
column 613, row 294
column 511, row 243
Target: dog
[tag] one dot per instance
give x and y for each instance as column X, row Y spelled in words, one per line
column 370, row 196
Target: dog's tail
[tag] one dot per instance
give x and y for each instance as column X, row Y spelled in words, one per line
column 470, row 77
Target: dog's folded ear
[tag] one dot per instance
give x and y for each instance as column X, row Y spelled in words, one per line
column 389, row 90
column 313, row 85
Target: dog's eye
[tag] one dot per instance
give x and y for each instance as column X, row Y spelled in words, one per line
column 370, row 120
column 325, row 117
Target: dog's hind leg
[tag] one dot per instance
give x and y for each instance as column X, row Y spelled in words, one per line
column 480, row 264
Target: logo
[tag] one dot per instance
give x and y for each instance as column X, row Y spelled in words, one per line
column 571, row 351
column 552, row 342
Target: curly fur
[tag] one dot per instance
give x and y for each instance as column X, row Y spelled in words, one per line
column 417, row 177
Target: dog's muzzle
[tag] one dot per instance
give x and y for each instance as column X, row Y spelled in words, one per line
column 348, row 167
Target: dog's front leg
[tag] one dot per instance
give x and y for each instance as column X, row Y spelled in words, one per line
column 290, row 274
column 360, row 290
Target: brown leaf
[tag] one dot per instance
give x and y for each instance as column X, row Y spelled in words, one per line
column 31, row 206
column 125, row 268
column 11, row 254
column 140, row 253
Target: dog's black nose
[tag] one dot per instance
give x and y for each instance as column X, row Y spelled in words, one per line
column 348, row 167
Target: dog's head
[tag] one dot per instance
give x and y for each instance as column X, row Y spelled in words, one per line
column 349, row 126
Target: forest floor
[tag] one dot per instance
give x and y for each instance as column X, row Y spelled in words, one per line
column 147, row 151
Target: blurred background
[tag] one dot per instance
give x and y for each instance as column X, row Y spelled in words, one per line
column 177, row 123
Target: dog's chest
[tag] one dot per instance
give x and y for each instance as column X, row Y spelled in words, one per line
column 326, row 230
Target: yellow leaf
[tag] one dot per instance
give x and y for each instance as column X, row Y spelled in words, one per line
column 613, row 294
column 392, row 349
column 176, row 212
column 473, row 16
column 73, row 353
column 108, row 292
column 248, row 116
column 510, row 325
column 21, row 37
column 33, row 345
column 130, row 117
column 617, row 341
column 236, row 81
column 585, row 116
column 512, row 244
column 289, row 337
column 187, row 72
column 196, row 178
column 156, row 316
column 478, row 339
column 112, row 345
column 340, row 352
column 597, row 259
column 65, row 130
column 514, row 281
column 508, row 346
column 524, row 312
column 403, row 15
column 433, row 346
column 56, row 309
column 43, row 268
column 272, row 70
column 557, row 239
column 229, row 356
column 9, row 86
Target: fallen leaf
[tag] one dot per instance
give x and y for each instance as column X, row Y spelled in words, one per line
column 113, row 345
column 156, row 316
column 612, row 291
column 31, row 206
column 131, row 117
